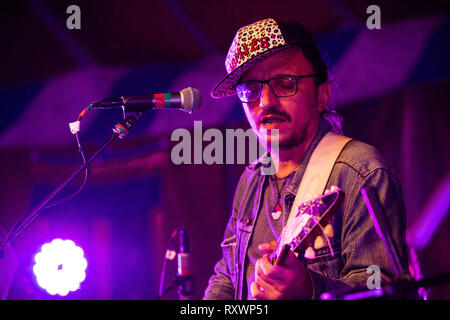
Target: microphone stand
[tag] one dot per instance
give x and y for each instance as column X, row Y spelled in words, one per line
column 402, row 278
column 403, row 285
column 183, row 280
column 184, row 286
column 383, row 230
column 120, row 130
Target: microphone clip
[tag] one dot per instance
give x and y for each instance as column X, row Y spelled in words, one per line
column 130, row 119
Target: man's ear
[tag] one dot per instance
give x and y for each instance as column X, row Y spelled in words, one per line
column 323, row 95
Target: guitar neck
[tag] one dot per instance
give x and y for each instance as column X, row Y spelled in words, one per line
column 302, row 229
column 281, row 258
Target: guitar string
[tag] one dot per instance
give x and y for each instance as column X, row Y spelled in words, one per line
column 278, row 205
column 324, row 234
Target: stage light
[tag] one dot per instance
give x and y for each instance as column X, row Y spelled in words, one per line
column 60, row 267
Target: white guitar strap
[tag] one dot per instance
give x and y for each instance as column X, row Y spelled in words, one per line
column 318, row 170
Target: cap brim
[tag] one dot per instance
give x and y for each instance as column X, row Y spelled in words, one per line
column 225, row 87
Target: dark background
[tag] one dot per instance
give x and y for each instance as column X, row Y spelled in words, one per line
column 135, row 197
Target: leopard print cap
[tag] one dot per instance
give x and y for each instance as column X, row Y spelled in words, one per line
column 251, row 44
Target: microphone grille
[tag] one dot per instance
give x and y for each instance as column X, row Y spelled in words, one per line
column 192, row 99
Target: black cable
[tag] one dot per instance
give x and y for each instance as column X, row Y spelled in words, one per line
column 28, row 218
column 170, row 248
column 86, row 175
column 19, row 224
column 120, row 130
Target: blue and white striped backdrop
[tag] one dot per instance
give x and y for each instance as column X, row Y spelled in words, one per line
column 365, row 63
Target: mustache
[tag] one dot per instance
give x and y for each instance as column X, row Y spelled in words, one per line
column 274, row 113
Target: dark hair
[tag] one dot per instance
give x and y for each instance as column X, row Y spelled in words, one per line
column 317, row 63
column 319, row 67
column 297, row 35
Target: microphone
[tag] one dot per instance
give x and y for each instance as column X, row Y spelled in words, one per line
column 184, row 269
column 188, row 100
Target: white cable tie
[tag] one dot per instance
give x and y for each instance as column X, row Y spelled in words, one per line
column 170, row 254
column 74, row 127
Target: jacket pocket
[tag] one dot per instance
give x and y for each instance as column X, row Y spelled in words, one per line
column 229, row 254
column 327, row 262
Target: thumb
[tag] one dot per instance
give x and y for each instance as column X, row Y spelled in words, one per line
column 268, row 247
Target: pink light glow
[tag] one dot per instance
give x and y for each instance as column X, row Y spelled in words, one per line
column 60, row 267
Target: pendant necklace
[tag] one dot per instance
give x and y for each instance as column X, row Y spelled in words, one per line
column 276, row 214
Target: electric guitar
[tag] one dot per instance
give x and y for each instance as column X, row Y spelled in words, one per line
column 310, row 221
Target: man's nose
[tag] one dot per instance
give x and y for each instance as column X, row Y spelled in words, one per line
column 267, row 99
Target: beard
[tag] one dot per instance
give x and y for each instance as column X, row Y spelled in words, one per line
column 292, row 141
column 290, row 135
column 282, row 141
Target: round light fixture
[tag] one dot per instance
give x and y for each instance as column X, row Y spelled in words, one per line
column 60, row 267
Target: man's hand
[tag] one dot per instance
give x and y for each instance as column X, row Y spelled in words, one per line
column 288, row 281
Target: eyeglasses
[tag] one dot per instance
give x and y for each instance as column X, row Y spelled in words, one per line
column 281, row 86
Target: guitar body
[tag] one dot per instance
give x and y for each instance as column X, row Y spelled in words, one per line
column 309, row 222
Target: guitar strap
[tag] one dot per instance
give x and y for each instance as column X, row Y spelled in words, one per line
column 318, row 170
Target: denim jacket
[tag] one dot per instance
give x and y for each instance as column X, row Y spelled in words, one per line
column 355, row 243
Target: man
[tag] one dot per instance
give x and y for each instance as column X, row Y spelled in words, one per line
column 276, row 70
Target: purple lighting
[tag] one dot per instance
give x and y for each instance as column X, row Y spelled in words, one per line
column 60, row 267
column 423, row 230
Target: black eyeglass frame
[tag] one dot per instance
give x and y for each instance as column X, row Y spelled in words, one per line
column 261, row 82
